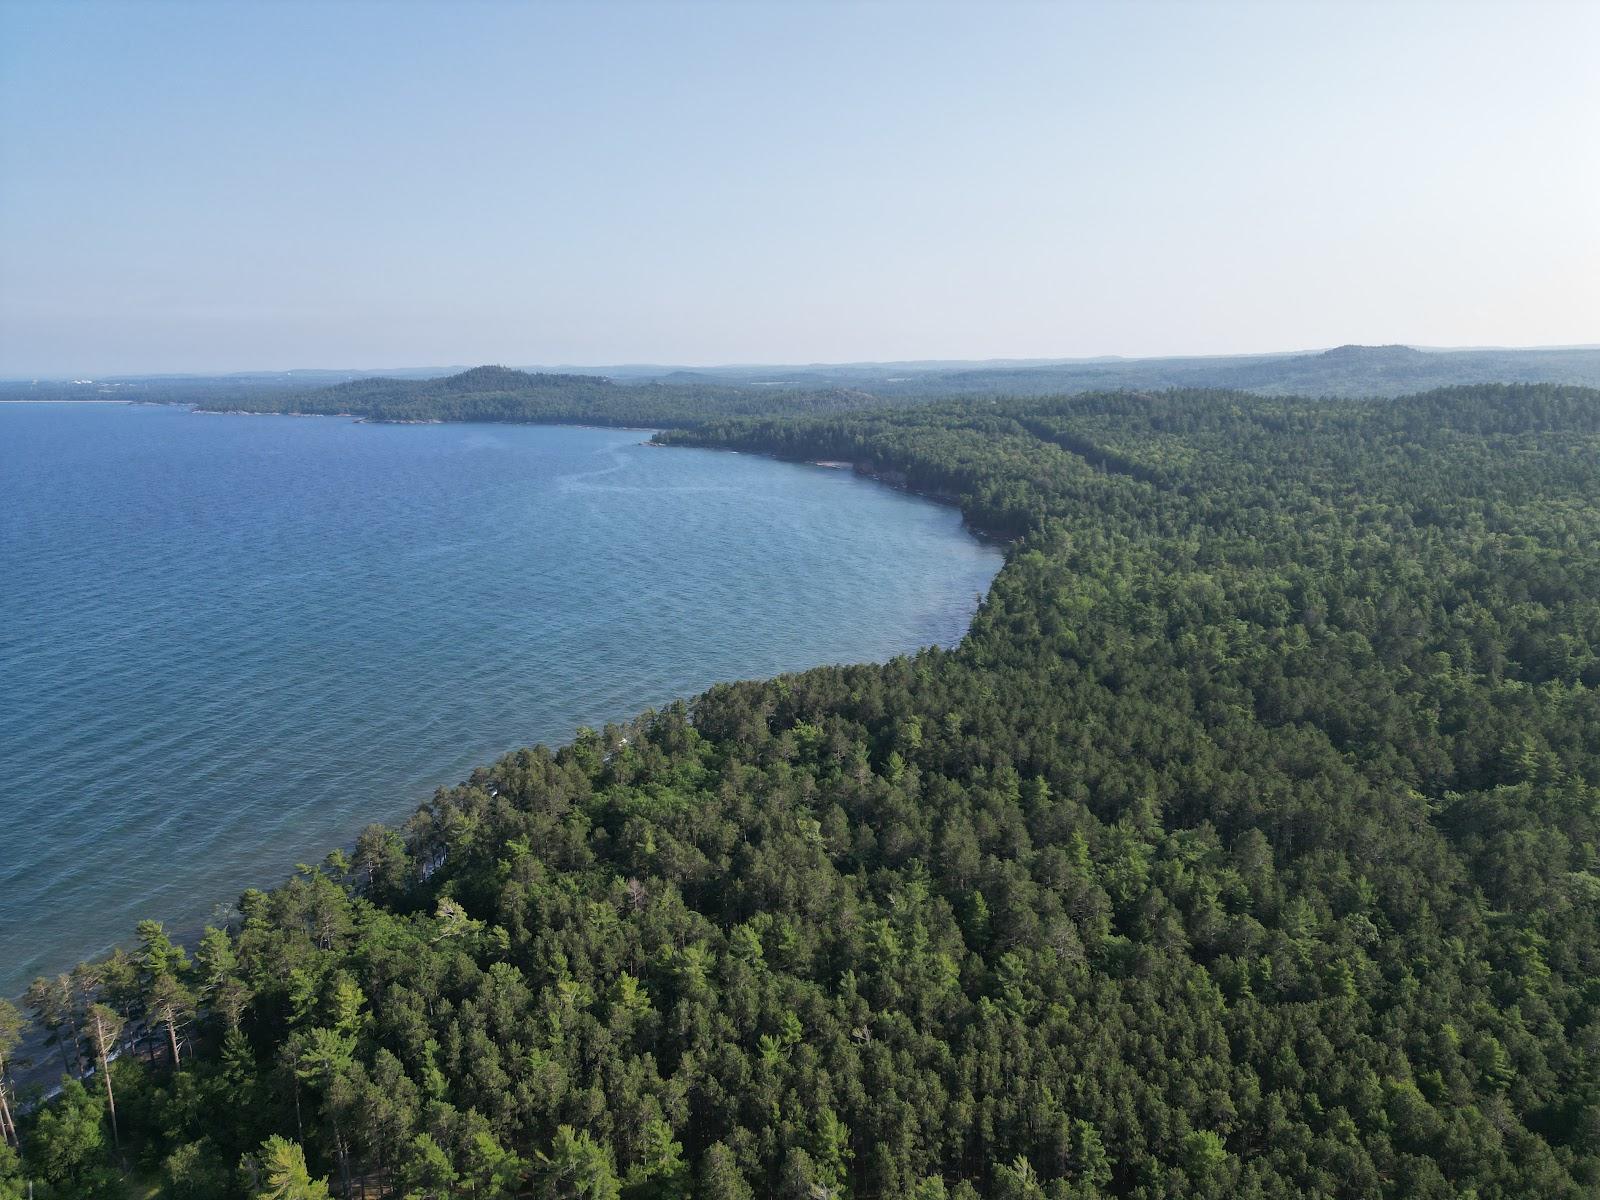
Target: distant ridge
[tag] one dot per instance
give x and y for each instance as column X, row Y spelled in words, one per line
column 499, row 393
column 643, row 392
column 1346, row 370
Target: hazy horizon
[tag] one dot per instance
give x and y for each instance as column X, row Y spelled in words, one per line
column 639, row 364
column 207, row 189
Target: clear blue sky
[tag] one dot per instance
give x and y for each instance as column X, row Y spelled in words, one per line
column 223, row 186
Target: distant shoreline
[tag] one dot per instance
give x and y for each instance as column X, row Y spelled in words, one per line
column 358, row 419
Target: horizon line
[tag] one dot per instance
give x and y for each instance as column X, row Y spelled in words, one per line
column 923, row 363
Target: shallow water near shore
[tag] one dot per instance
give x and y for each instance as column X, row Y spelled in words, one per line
column 227, row 644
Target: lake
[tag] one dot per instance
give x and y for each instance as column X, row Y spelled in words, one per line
column 227, row 643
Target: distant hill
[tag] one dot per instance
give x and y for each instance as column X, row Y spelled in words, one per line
column 1345, row 371
column 495, row 393
column 1395, row 370
column 481, row 393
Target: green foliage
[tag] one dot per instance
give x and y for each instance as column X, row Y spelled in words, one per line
column 68, row 1142
column 1205, row 1161
column 12, row 1023
column 492, row 1171
column 1017, row 1180
column 279, row 1173
column 660, row 1172
column 719, row 1177
column 12, row 1184
column 196, row 1171
column 578, row 1168
column 428, row 1173
column 1246, row 846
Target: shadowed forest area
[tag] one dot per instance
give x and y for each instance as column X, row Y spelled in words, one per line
column 1248, row 846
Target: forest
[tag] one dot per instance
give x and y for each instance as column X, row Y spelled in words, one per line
column 1247, row 846
column 504, row 394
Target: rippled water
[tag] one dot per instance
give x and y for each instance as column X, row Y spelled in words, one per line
column 226, row 643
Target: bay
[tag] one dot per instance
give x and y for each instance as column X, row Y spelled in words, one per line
column 227, row 643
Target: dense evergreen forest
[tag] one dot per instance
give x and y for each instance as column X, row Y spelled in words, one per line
column 1249, row 845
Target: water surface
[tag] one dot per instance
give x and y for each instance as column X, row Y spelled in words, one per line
column 227, row 643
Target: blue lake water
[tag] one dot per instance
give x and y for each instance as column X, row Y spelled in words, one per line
column 227, row 643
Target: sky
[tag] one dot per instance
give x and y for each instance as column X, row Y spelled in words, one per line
column 262, row 186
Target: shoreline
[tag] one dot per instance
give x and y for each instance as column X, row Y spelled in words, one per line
column 224, row 911
column 359, row 419
column 988, row 536
column 895, row 480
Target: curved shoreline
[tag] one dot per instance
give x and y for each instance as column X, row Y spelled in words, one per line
column 188, row 930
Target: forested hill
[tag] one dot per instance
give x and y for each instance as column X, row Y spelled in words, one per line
column 1249, row 846
column 502, row 394
column 1347, row 371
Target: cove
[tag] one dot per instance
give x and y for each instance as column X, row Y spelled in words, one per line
column 227, row 643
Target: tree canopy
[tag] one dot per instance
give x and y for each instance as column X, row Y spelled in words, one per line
column 1249, row 845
